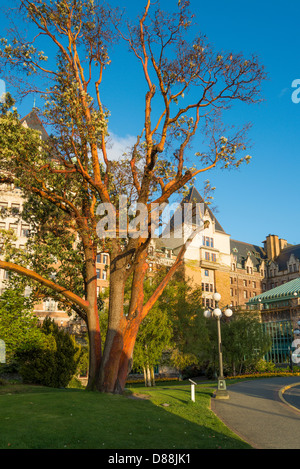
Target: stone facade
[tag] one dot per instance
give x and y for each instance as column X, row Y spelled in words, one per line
column 207, row 261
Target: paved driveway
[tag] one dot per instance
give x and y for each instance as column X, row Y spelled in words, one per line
column 256, row 412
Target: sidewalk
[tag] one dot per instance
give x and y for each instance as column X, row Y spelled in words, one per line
column 263, row 412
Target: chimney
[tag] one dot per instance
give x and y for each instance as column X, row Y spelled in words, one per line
column 282, row 244
column 272, row 246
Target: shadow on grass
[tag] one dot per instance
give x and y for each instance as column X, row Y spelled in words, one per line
column 76, row 419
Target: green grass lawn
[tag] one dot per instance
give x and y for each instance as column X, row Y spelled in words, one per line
column 33, row 417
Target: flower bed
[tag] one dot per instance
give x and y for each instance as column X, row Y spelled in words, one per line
column 157, row 380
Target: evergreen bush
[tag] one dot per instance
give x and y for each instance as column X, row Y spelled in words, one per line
column 52, row 363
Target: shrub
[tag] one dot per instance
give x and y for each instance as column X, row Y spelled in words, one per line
column 52, row 363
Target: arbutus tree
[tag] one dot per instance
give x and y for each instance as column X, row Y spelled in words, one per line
column 188, row 86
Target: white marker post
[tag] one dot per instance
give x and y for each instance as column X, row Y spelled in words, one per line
column 193, row 384
column 2, row 352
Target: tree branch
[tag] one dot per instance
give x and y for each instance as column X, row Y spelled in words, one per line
column 72, row 297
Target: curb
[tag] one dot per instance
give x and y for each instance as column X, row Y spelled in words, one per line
column 282, row 391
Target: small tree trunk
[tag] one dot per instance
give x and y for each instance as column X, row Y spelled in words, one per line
column 152, row 376
column 149, row 376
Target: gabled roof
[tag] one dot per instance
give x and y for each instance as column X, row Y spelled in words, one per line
column 285, row 255
column 33, row 122
column 194, row 197
column 286, row 291
column 244, row 250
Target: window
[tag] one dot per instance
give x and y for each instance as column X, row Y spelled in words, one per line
column 245, row 294
column 207, row 287
column 15, row 209
column 233, row 266
column 206, row 273
column 104, row 275
column 245, row 283
column 105, row 259
column 25, row 231
column 206, row 241
column 98, row 273
column 253, row 284
column 214, row 257
column 207, row 256
column 231, row 292
column 50, row 305
column 14, row 227
column 3, row 207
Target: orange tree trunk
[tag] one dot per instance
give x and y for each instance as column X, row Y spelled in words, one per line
column 117, row 358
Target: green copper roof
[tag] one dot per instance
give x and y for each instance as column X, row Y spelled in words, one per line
column 287, row 290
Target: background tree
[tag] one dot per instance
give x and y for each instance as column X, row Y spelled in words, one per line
column 183, row 304
column 188, row 86
column 153, row 339
column 18, row 324
column 174, row 327
column 244, row 343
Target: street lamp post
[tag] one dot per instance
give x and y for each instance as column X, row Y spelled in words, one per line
column 221, row 392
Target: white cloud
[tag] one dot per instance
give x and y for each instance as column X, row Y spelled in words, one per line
column 117, row 146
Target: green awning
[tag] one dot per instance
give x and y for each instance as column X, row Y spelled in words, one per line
column 286, row 291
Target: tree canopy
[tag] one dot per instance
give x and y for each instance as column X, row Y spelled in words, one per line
column 188, row 87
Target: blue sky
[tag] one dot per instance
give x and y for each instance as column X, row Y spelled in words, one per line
column 262, row 197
